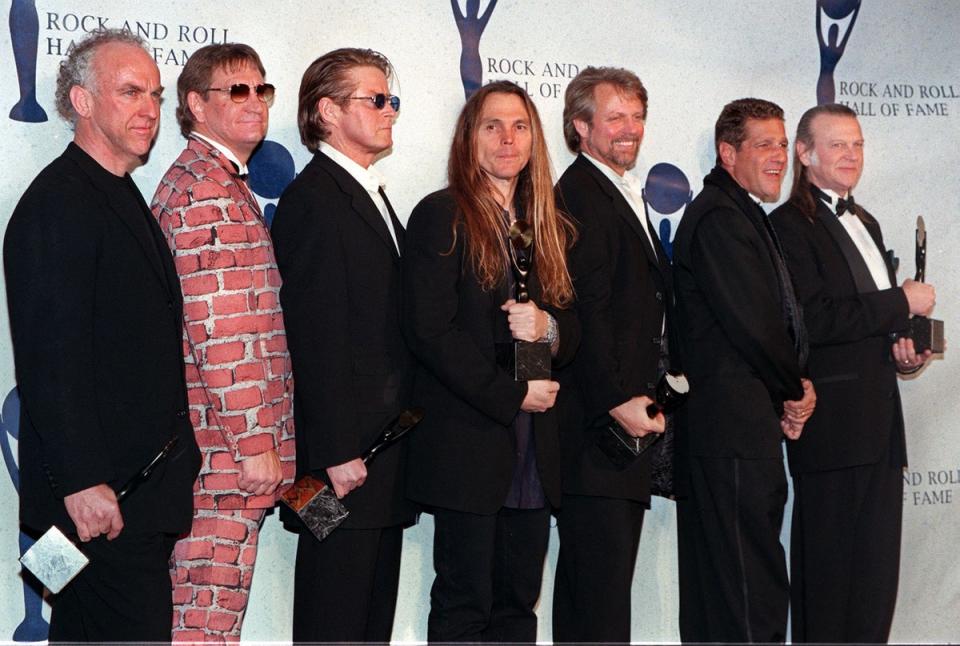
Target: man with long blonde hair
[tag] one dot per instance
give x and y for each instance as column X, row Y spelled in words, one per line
column 485, row 461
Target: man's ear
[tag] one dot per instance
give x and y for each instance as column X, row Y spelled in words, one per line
column 582, row 128
column 804, row 152
column 728, row 154
column 329, row 111
column 197, row 107
column 81, row 100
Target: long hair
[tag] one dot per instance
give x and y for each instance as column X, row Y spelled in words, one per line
column 800, row 195
column 480, row 217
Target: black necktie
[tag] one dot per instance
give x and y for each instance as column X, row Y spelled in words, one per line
column 846, row 206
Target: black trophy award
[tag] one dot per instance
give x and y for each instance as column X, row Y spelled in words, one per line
column 525, row 360
column 927, row 334
column 314, row 501
column 623, row 448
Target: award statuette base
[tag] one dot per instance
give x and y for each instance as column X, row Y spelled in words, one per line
column 524, row 360
column 927, row 334
column 622, row 448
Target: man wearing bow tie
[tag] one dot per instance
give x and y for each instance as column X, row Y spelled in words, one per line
column 847, row 465
column 339, row 244
column 238, row 367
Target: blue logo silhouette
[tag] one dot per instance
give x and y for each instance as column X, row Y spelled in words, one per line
column 271, row 170
column 34, row 627
column 471, row 28
column 833, row 43
column 24, row 35
column 667, row 190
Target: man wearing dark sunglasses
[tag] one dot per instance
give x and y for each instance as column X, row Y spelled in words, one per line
column 238, row 368
column 338, row 245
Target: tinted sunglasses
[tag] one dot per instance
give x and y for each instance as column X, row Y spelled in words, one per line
column 381, row 100
column 240, row 92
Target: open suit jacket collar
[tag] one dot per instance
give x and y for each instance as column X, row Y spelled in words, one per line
column 873, row 228
column 143, row 228
column 361, row 202
column 625, row 211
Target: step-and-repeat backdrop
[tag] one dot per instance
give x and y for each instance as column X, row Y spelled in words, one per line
column 896, row 63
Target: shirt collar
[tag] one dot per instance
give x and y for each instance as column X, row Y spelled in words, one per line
column 368, row 178
column 831, row 196
column 226, row 152
column 627, row 180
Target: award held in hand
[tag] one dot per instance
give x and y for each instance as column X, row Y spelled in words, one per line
column 314, row 501
column 623, row 448
column 927, row 334
column 525, row 360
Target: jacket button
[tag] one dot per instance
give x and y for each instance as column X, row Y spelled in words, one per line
column 651, row 385
column 655, row 340
column 169, row 305
column 660, row 296
column 181, row 414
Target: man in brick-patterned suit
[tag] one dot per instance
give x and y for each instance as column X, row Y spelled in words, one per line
column 238, row 368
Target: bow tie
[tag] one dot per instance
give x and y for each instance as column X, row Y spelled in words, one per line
column 846, row 206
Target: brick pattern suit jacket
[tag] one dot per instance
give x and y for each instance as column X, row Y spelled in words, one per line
column 238, row 368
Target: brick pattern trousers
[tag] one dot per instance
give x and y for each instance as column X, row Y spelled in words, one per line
column 212, row 569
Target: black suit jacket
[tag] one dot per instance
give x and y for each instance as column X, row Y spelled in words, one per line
column 858, row 412
column 623, row 289
column 737, row 351
column 462, row 454
column 95, row 317
column 341, row 306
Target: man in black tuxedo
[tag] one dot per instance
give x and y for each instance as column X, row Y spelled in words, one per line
column 338, row 245
column 847, row 466
column 743, row 347
column 622, row 281
column 95, row 317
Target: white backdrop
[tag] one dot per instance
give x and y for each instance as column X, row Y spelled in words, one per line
column 899, row 69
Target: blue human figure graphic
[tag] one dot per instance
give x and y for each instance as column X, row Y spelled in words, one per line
column 24, row 36
column 832, row 49
column 471, row 28
column 271, row 169
column 34, row 627
column 667, row 190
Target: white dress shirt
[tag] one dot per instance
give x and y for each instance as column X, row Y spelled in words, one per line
column 369, row 179
column 863, row 240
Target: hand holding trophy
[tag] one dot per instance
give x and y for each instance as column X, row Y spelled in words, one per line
column 525, row 360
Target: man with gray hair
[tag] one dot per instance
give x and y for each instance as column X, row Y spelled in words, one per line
column 95, row 317
column 622, row 279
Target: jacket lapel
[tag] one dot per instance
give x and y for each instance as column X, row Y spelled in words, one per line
column 624, row 211
column 360, row 201
column 859, row 271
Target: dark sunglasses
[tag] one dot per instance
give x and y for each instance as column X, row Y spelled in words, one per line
column 240, row 92
column 380, row 100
